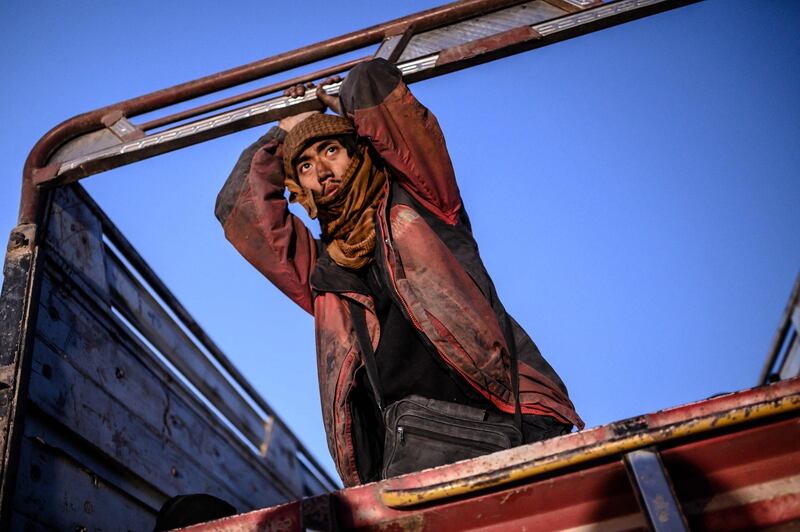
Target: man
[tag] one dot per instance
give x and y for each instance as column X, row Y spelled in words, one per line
column 403, row 305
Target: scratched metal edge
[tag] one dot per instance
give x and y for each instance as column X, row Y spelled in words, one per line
column 18, row 309
column 405, row 497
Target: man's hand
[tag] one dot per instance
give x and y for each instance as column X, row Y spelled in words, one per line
column 296, row 91
column 299, row 90
column 331, row 101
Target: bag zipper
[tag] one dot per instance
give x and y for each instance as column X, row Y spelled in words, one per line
column 432, row 435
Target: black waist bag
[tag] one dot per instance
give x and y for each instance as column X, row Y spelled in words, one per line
column 423, row 433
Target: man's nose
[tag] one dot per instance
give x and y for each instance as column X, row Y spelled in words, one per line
column 324, row 171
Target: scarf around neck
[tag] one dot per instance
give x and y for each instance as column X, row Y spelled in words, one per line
column 347, row 218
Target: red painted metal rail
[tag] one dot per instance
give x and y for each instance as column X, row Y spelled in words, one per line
column 734, row 462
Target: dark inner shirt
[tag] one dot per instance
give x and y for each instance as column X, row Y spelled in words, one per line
column 406, row 364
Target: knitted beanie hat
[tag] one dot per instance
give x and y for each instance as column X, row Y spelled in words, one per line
column 315, row 127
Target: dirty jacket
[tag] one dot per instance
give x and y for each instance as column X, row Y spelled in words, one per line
column 425, row 252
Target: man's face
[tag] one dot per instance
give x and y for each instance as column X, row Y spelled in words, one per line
column 321, row 167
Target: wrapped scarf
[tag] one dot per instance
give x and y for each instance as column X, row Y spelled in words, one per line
column 347, row 218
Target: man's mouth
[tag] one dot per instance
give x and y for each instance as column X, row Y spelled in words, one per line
column 330, row 189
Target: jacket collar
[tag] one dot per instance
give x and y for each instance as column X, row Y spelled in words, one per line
column 330, row 277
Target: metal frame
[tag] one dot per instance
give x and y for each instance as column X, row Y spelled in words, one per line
column 654, row 491
column 107, row 137
column 620, row 437
column 784, row 351
column 732, row 458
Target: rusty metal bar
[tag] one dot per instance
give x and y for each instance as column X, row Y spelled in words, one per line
column 755, row 481
column 565, row 5
column 92, row 120
column 462, row 53
column 561, row 28
column 255, row 93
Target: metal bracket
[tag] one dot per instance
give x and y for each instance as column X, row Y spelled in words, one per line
column 654, row 491
column 392, row 46
column 121, row 127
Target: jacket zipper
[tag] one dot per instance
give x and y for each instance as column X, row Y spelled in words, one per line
column 383, row 220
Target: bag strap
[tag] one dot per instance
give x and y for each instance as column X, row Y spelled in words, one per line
column 365, row 343
column 512, row 350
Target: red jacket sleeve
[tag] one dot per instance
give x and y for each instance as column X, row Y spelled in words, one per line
column 254, row 214
column 405, row 134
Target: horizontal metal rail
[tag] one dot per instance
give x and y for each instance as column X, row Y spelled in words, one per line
column 105, row 139
column 39, row 156
column 250, row 95
column 408, row 497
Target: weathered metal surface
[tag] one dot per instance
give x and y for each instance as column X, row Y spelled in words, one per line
column 726, row 476
column 40, row 155
column 791, row 363
column 97, row 403
column 654, row 491
column 648, row 430
column 315, row 477
column 280, row 453
column 478, row 47
column 461, row 33
column 393, row 46
column 53, row 438
column 18, row 310
column 250, row 95
column 149, row 410
column 150, row 452
column 57, row 493
column 75, row 236
column 567, row 6
column 153, row 322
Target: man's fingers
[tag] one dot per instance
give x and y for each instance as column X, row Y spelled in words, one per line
column 331, row 80
column 295, row 91
column 329, row 100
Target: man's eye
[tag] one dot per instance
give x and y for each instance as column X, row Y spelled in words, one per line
column 332, row 149
column 304, row 167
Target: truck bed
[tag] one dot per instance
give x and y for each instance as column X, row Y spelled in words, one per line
column 733, row 462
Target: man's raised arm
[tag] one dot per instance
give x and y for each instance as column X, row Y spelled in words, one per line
column 254, row 213
column 404, row 132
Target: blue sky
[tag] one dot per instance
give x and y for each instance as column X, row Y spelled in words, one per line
column 634, row 192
